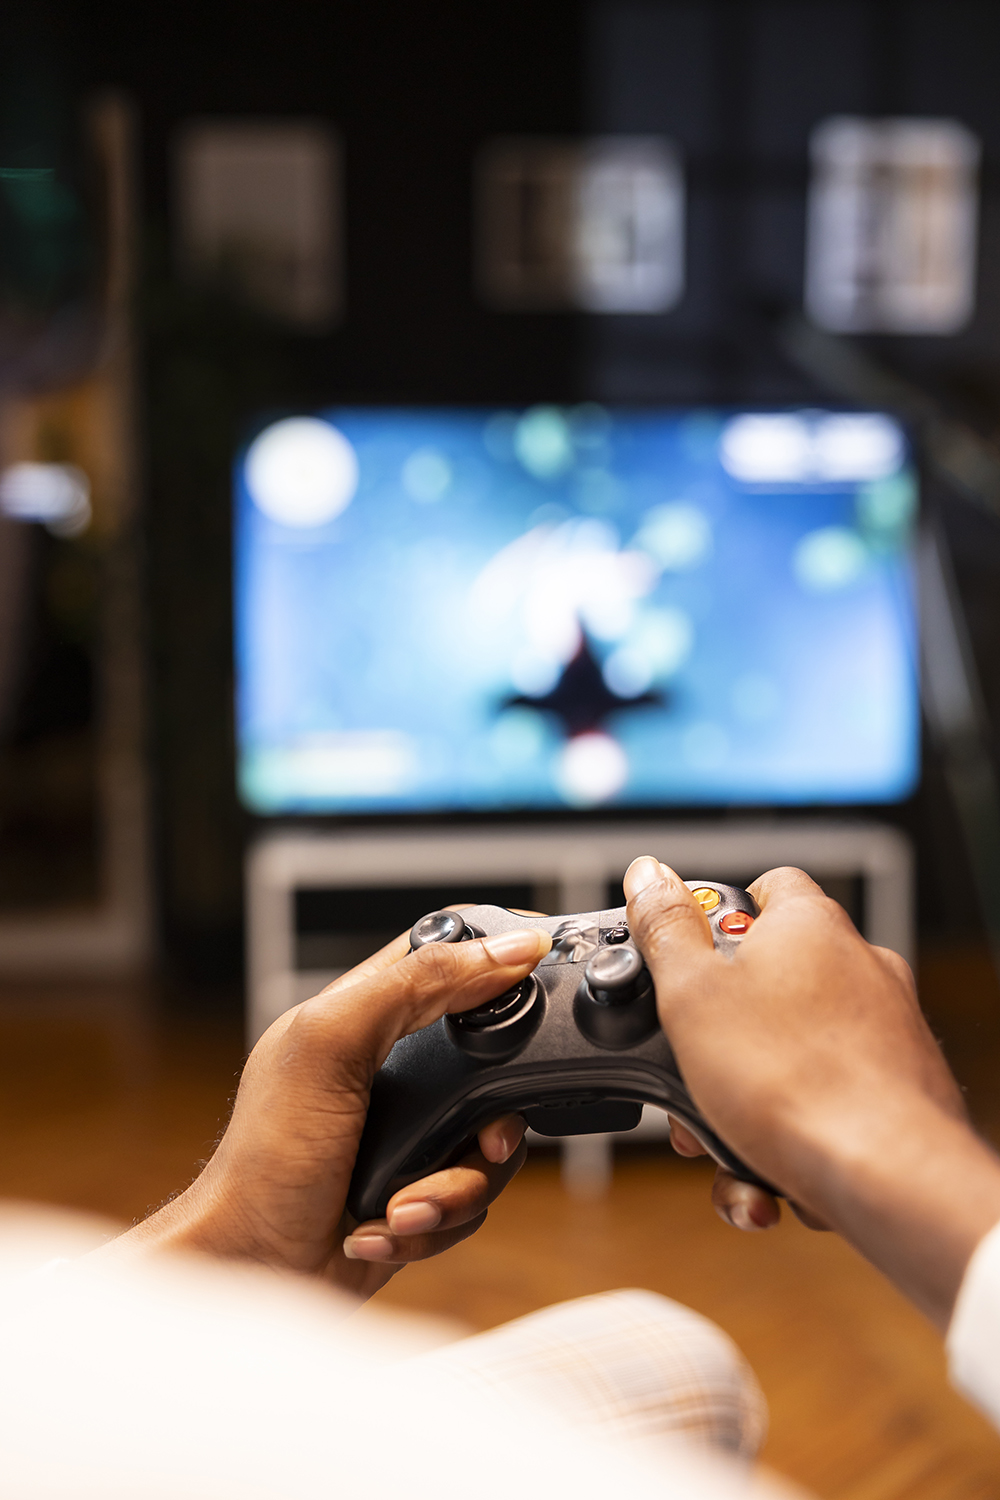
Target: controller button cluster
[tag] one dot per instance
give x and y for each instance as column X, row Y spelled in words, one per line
column 736, row 923
column 707, row 898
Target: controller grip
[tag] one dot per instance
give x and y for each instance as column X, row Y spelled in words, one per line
column 408, row 1135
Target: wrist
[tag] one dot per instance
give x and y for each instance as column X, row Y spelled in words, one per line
column 911, row 1186
column 195, row 1220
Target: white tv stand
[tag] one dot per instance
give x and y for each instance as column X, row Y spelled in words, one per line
column 573, row 862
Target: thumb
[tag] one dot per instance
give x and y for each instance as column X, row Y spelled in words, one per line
column 351, row 1030
column 665, row 920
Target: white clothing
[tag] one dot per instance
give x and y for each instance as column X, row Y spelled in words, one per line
column 180, row 1378
column 973, row 1342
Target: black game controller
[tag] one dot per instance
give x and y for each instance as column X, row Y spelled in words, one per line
column 576, row 1048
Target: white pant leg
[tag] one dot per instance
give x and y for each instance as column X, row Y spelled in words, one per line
column 631, row 1366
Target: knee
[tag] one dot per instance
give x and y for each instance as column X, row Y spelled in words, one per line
column 633, row 1365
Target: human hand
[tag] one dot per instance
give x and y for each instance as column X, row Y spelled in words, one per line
column 808, row 1054
column 275, row 1188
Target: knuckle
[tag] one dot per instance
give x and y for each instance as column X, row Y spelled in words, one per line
column 836, row 913
column 434, row 967
column 898, row 968
column 310, row 1027
column 785, row 885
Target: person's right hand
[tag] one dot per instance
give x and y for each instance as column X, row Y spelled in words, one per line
column 808, row 1054
column 275, row 1189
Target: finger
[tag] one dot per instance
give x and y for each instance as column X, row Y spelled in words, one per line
column 375, row 963
column 684, row 1142
column 384, row 958
column 742, row 1204
column 664, row 918
column 455, row 1195
column 390, row 954
column 398, row 948
column 775, row 887
column 428, row 1216
column 380, row 1245
column 500, row 1139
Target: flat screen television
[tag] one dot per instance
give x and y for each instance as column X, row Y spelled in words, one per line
column 466, row 610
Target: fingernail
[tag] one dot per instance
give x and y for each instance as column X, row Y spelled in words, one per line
column 367, row 1247
column 414, row 1218
column 524, row 946
column 641, row 872
column 507, row 1142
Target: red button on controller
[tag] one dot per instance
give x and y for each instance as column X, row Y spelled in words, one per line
column 736, row 923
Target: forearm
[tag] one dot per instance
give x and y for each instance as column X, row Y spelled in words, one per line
column 910, row 1187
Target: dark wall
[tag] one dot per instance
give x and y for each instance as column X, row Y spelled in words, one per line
column 739, row 85
column 413, row 91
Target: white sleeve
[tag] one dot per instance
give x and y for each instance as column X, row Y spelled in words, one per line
column 974, row 1335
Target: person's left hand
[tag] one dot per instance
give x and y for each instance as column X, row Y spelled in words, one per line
column 275, row 1188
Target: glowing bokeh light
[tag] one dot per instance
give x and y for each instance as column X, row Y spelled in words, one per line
column 591, row 769
column 657, row 645
column 830, row 559
column 790, row 448
column 426, row 475
column 678, row 536
column 301, row 472
column 57, row 495
column 543, row 443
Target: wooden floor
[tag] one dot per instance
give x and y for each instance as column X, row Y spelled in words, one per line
column 860, row 1409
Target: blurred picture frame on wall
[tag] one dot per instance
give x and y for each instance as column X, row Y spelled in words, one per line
column 257, row 207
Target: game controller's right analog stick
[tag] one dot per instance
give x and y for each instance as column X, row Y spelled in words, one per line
column 615, row 1005
column 440, row 927
column 616, row 976
column 499, row 1027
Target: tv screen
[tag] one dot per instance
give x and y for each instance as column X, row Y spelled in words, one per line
column 470, row 610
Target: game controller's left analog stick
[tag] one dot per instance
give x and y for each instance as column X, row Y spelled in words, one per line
column 440, row 927
column 615, row 1005
column 499, row 1026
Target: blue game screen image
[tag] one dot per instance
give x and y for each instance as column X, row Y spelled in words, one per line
column 448, row 610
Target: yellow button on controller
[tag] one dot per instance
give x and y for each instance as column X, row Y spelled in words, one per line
column 706, row 898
